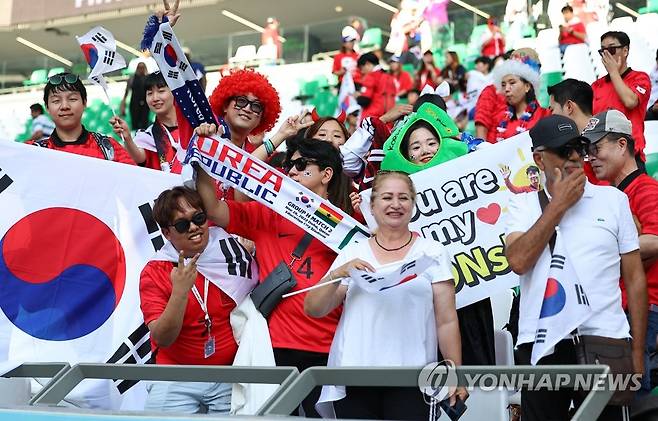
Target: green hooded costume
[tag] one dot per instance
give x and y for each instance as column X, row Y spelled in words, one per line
column 444, row 127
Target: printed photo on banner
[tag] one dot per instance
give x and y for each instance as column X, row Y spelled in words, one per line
column 462, row 204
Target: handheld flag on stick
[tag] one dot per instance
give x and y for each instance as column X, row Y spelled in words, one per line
column 100, row 51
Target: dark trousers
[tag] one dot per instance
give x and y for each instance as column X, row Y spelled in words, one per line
column 544, row 405
column 303, row 360
column 382, row 403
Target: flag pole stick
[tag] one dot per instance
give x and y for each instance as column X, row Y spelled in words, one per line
column 109, row 104
column 333, row 281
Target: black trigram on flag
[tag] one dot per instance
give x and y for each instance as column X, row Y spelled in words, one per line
column 167, row 35
column 369, row 278
column 557, row 261
column 540, row 338
column 405, row 267
column 158, row 48
column 580, row 294
column 172, row 74
column 99, row 38
column 5, row 181
column 238, row 259
column 151, row 226
column 182, row 66
column 109, row 57
column 136, row 349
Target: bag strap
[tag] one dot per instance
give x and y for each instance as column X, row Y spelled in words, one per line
column 104, row 145
column 301, row 247
column 543, row 202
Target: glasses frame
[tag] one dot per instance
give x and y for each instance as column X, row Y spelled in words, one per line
column 612, row 49
column 300, row 163
column 183, row 225
column 58, row 79
column 566, row 150
column 255, row 106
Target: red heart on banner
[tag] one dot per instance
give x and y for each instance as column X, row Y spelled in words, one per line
column 490, row 214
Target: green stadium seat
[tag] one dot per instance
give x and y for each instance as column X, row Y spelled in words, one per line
column 547, row 79
column 80, row 69
column 372, row 38
column 27, row 132
column 652, row 7
column 325, row 102
column 38, row 77
column 56, row 71
column 652, row 165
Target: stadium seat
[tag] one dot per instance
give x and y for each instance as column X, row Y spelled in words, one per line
column 474, row 40
column 56, row 71
column 550, row 59
column 38, row 77
column 372, row 38
column 244, row 54
column 578, row 63
column 652, row 165
column 547, row 38
column 266, row 52
column 622, row 23
column 652, row 7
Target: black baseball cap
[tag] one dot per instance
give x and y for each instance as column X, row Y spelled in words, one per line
column 555, row 131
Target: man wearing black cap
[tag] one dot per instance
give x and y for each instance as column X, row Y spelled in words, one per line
column 611, row 153
column 598, row 233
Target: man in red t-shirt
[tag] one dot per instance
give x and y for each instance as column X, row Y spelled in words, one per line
column 402, row 79
column 186, row 306
column 573, row 32
column 378, row 91
column 622, row 88
column 298, row 340
column 612, row 156
column 65, row 97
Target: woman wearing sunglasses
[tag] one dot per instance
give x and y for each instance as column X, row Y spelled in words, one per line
column 298, row 340
column 187, row 293
column 400, row 326
column 65, row 97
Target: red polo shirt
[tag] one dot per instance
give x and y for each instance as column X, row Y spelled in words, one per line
column 606, row 98
column 379, row 87
column 86, row 145
column 567, row 39
column 642, row 192
column 489, row 105
column 403, row 82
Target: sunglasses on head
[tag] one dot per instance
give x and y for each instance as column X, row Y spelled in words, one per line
column 183, row 225
column 243, row 101
column 69, row 78
column 565, row 151
column 300, row 164
column 612, row 49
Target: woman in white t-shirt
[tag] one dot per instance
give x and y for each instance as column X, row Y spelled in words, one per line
column 397, row 326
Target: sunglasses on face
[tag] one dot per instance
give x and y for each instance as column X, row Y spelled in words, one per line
column 612, row 49
column 69, row 78
column 300, row 164
column 242, row 101
column 565, row 151
column 183, row 225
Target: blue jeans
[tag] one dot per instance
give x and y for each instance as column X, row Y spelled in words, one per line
column 189, row 397
column 650, row 348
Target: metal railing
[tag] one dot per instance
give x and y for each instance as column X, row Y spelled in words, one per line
column 58, row 389
column 54, row 371
column 286, row 401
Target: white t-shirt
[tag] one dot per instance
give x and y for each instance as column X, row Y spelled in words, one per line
column 43, row 123
column 596, row 231
column 395, row 327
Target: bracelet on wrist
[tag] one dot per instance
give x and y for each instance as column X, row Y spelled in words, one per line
column 269, row 147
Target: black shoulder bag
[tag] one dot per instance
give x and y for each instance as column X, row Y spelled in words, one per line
column 269, row 293
column 594, row 350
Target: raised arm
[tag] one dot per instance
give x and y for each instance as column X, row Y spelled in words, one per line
column 217, row 210
column 120, row 127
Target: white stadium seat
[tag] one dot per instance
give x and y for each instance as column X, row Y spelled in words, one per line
column 244, row 53
column 578, row 63
column 547, row 38
column 550, row 59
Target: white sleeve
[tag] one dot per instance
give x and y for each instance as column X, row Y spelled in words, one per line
column 442, row 270
column 144, row 140
column 356, row 148
column 343, row 257
column 627, row 237
column 518, row 219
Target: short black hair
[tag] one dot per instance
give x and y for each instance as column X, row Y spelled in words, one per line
column 620, row 36
column 567, row 8
column 325, row 154
column 531, row 168
column 167, row 203
column 154, row 80
column 37, row 108
column 404, row 144
column 64, row 86
column 484, row 60
column 579, row 92
column 367, row 58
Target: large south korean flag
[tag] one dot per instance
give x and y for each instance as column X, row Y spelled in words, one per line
column 75, row 233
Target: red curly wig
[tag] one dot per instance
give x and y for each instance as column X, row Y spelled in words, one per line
column 241, row 82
